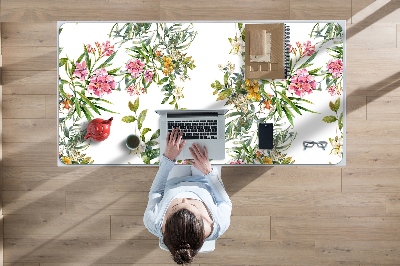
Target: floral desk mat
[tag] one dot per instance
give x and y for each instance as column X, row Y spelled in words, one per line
column 126, row 71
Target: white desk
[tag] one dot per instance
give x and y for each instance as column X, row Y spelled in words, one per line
column 214, row 53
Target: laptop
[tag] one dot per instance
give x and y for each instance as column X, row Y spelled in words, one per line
column 204, row 127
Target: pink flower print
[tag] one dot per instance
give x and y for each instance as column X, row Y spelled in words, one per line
column 148, row 75
column 293, row 49
column 131, row 90
column 90, row 49
column 107, row 49
column 332, row 90
column 134, row 90
column 135, row 67
column 101, row 83
column 81, row 70
column 238, row 161
column 335, row 67
column 302, row 83
column 308, row 49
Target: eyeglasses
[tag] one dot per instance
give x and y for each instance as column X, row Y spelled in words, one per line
column 310, row 144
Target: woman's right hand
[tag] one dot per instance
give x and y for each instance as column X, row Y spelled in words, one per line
column 200, row 157
column 175, row 144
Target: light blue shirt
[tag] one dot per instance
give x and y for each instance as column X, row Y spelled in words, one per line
column 209, row 188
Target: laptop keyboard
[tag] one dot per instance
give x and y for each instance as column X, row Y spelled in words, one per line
column 196, row 129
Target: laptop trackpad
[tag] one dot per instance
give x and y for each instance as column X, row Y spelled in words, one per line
column 186, row 152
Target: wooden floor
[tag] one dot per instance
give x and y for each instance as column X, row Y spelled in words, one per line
column 281, row 215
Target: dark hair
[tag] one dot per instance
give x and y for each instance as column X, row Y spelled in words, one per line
column 184, row 235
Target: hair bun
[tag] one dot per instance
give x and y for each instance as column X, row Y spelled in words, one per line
column 184, row 245
column 183, row 255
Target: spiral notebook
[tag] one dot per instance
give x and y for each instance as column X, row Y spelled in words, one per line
column 267, row 51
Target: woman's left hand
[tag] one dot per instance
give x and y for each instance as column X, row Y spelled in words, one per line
column 174, row 144
column 201, row 161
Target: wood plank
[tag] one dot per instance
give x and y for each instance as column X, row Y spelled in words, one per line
column 358, row 6
column 16, row 58
column 29, row 51
column 57, row 179
column 249, row 227
column 373, row 131
column 305, row 9
column 16, row 62
column 1, row 160
column 369, row 12
column 383, row 108
column 106, row 203
column 33, row 202
column 133, row 179
column 381, row 180
column 335, row 228
column 368, row 155
column 370, row 264
column 21, row 264
column 224, row 10
column 1, row 238
column 51, row 106
column 384, row 36
column 58, row 10
column 79, row 179
column 85, row 251
column 0, row 37
column 24, row 106
column 30, row 154
column 129, row 227
column 309, row 204
column 364, row 252
column 356, row 108
column 398, row 35
column 113, row 264
column 393, row 204
column 1, row 167
column 242, row 252
column 29, row 34
column 372, row 81
column 53, row 226
column 29, row 130
column 30, row 89
column 147, row 251
column 270, row 179
column 30, row 82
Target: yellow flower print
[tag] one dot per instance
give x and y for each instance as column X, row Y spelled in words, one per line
column 168, row 68
column 253, row 96
column 167, row 61
column 267, row 160
column 66, row 160
column 252, row 89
